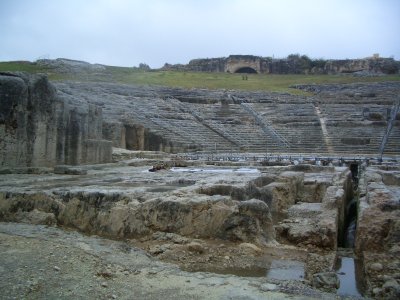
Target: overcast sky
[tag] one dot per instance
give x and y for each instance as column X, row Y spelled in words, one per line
column 128, row 32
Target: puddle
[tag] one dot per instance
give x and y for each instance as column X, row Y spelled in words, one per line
column 286, row 270
column 349, row 271
column 215, row 170
column 277, row 269
column 242, row 272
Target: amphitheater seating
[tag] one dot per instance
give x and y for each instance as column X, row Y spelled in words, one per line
column 215, row 121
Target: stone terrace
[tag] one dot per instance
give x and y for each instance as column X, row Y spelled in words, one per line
column 337, row 119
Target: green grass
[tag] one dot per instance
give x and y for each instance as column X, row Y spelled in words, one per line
column 26, row 66
column 23, row 66
column 255, row 82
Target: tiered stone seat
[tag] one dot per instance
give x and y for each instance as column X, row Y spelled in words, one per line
column 337, row 120
column 234, row 123
column 351, row 131
column 297, row 122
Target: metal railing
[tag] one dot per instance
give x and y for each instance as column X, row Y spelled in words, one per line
column 392, row 119
column 266, row 126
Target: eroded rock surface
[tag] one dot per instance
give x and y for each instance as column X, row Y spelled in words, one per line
column 136, row 202
column 38, row 128
column 222, row 219
column 378, row 231
column 293, row 64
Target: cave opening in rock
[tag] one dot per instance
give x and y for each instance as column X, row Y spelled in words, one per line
column 247, row 70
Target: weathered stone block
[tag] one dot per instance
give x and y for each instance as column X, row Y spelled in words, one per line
column 40, row 129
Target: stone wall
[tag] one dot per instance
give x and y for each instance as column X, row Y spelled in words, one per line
column 134, row 136
column 293, row 64
column 236, row 62
column 39, row 129
column 379, row 211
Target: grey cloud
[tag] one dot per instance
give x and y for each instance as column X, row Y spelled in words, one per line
column 122, row 32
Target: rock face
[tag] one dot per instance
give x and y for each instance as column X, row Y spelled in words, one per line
column 63, row 65
column 107, row 215
column 234, row 206
column 178, row 120
column 378, row 230
column 293, row 64
column 379, row 212
column 328, row 281
column 40, row 129
column 317, row 224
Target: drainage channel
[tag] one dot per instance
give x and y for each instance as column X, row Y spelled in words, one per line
column 348, row 267
column 350, row 273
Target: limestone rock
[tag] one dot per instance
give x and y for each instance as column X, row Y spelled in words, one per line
column 170, row 236
column 376, row 291
column 69, row 170
column 391, row 178
column 371, row 176
column 250, row 248
column 252, row 222
column 36, row 217
column 376, row 267
column 181, row 126
column 64, row 65
column 378, row 223
column 312, row 224
column 114, row 215
column 315, row 186
column 196, row 247
column 38, row 128
column 28, row 127
column 310, row 233
column 293, row 64
column 266, row 287
column 317, row 263
column 391, row 289
column 281, row 196
column 328, row 281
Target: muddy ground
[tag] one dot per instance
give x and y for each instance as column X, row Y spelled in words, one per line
column 41, row 262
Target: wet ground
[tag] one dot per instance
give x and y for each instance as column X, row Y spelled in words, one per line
column 40, row 262
column 45, row 262
column 224, row 257
column 350, row 272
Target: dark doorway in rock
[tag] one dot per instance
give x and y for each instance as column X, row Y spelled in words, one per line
column 246, row 70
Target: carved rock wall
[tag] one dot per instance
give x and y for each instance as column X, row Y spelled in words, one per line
column 110, row 215
column 39, row 129
column 292, row 65
column 379, row 212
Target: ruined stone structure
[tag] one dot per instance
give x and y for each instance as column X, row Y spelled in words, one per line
column 294, row 64
column 268, row 181
column 40, row 129
column 337, row 120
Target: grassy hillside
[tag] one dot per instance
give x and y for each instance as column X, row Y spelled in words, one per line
column 265, row 82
